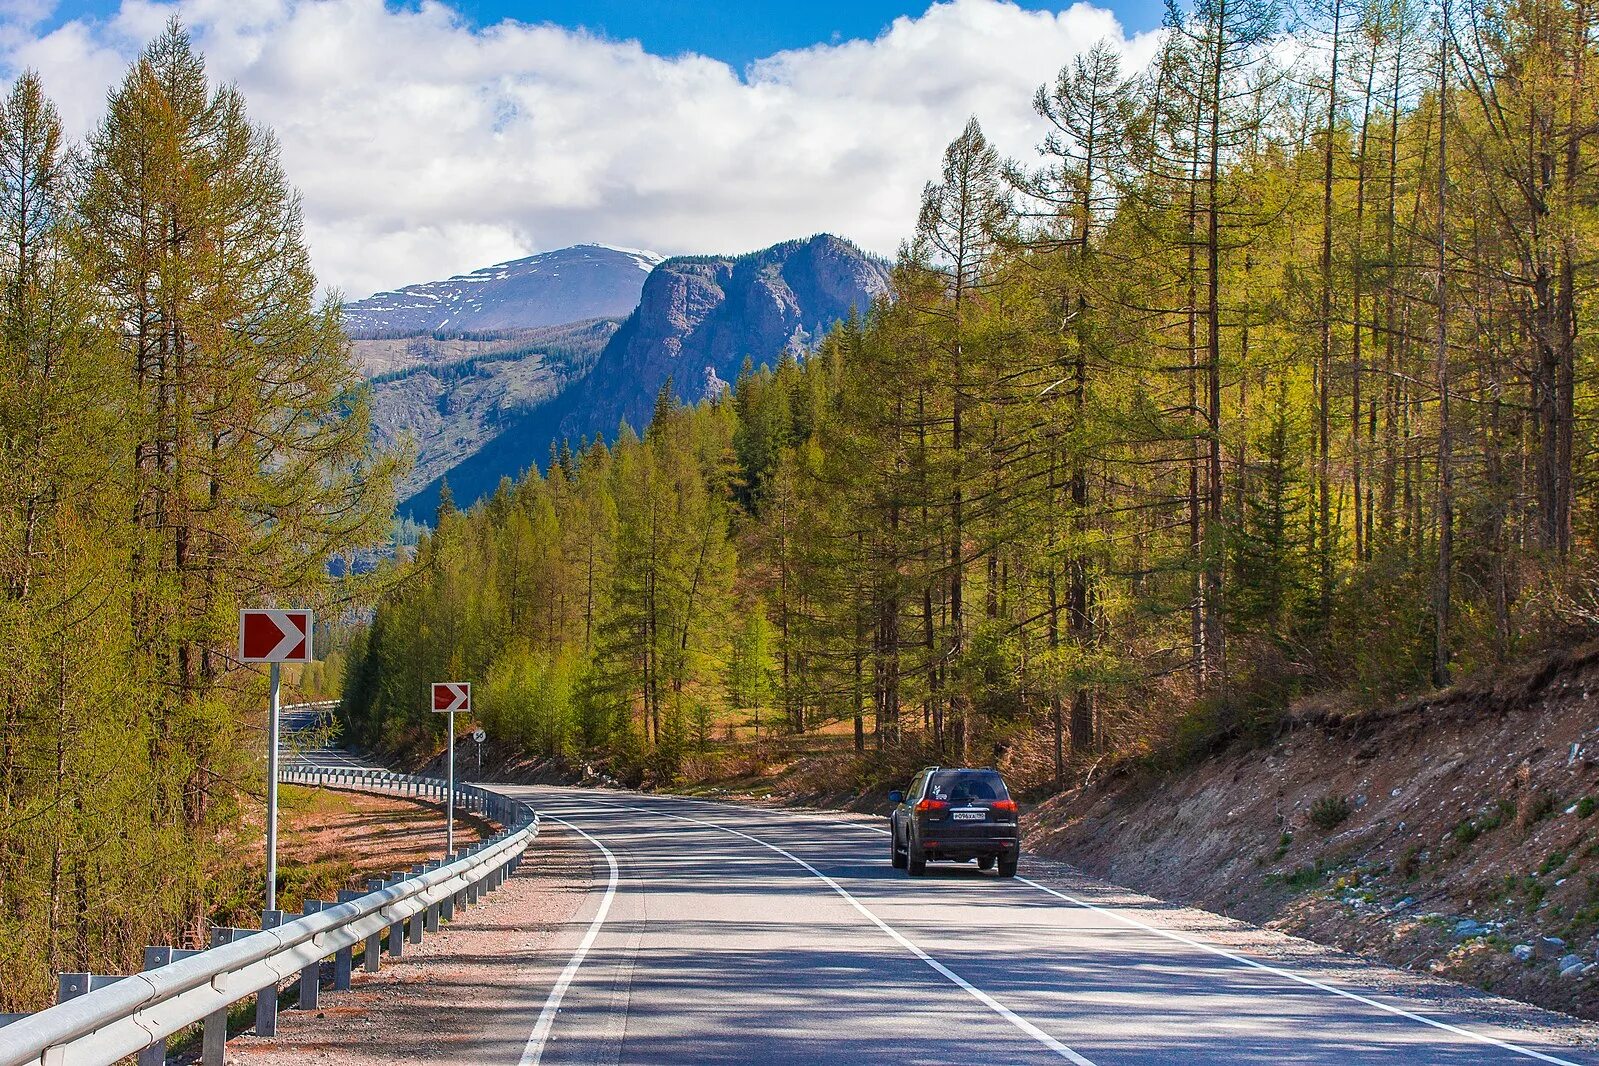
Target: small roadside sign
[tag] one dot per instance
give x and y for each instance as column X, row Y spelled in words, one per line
column 449, row 696
column 275, row 636
column 479, row 736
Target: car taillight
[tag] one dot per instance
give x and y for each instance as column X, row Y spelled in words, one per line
column 1004, row 805
column 931, row 805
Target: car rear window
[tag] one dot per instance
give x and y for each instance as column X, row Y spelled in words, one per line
column 966, row 786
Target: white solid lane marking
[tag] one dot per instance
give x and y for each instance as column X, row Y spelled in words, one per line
column 1300, row 978
column 976, row 993
column 1275, row 970
column 534, row 1051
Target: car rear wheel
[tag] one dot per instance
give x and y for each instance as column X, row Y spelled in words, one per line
column 985, row 862
column 915, row 859
column 895, row 855
column 1007, row 865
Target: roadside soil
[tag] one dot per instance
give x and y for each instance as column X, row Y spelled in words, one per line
column 1451, row 835
column 333, row 839
column 468, row 993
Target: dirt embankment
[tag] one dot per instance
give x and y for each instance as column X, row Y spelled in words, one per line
column 1456, row 834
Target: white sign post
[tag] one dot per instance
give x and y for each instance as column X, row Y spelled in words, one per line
column 274, row 637
column 449, row 697
column 479, row 736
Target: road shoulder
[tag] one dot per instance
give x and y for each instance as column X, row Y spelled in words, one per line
column 469, row 993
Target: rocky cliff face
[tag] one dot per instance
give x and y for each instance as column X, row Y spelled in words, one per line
column 697, row 320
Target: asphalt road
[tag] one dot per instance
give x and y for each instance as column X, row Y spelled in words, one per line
column 306, row 741
column 720, row 934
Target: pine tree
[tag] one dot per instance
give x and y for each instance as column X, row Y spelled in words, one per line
column 251, row 453
column 961, row 219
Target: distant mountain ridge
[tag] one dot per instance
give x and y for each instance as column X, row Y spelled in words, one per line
column 697, row 320
column 574, row 284
column 456, row 396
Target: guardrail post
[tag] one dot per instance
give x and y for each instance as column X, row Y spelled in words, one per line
column 214, row 1032
column 344, row 959
column 311, row 974
column 72, row 985
column 372, row 955
column 266, row 1000
column 430, row 922
column 156, row 1054
column 397, row 930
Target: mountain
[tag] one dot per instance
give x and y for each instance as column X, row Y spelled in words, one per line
column 576, row 284
column 452, row 397
column 698, row 318
column 696, row 321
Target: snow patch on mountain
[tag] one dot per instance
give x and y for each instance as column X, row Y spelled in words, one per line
column 566, row 285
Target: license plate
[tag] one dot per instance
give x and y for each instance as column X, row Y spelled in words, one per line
column 969, row 816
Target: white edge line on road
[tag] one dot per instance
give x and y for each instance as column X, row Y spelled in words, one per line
column 976, row 993
column 1300, row 978
column 534, row 1051
column 1278, row 971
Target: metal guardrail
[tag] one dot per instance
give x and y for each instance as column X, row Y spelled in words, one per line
column 113, row 1017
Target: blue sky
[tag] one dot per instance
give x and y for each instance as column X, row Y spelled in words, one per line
column 735, row 33
column 741, row 32
column 431, row 139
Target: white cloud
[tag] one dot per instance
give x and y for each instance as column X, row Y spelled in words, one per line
column 426, row 147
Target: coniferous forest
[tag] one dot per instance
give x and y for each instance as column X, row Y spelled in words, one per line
column 1268, row 376
column 181, row 434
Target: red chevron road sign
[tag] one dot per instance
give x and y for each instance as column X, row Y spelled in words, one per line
column 452, row 696
column 275, row 636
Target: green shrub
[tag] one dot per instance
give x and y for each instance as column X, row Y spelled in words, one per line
column 1329, row 812
column 1306, row 877
column 1492, row 818
column 1284, row 842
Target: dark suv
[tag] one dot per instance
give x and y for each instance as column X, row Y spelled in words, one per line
column 956, row 815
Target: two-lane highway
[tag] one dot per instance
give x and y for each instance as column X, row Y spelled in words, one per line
column 722, row 934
